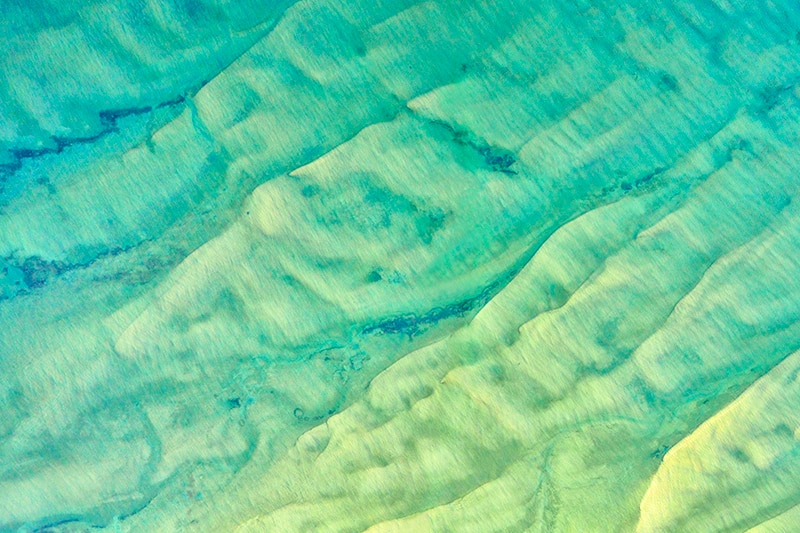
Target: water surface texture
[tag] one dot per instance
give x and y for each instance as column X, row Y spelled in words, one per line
column 399, row 266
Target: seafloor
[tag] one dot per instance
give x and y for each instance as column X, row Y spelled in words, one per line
column 399, row 266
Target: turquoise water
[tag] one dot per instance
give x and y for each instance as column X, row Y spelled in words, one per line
column 399, row 266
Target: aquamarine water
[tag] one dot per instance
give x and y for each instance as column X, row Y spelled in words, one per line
column 399, row 266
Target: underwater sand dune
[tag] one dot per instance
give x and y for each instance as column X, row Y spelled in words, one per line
column 399, row 266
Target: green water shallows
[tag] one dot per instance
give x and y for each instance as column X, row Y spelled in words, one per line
column 398, row 266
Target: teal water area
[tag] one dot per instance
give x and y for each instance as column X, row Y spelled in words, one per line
column 399, row 266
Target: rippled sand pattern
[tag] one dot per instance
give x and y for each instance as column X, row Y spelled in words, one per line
column 397, row 266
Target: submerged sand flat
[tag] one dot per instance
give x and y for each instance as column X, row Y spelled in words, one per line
column 397, row 266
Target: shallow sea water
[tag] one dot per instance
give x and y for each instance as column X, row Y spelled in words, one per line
column 399, row 266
